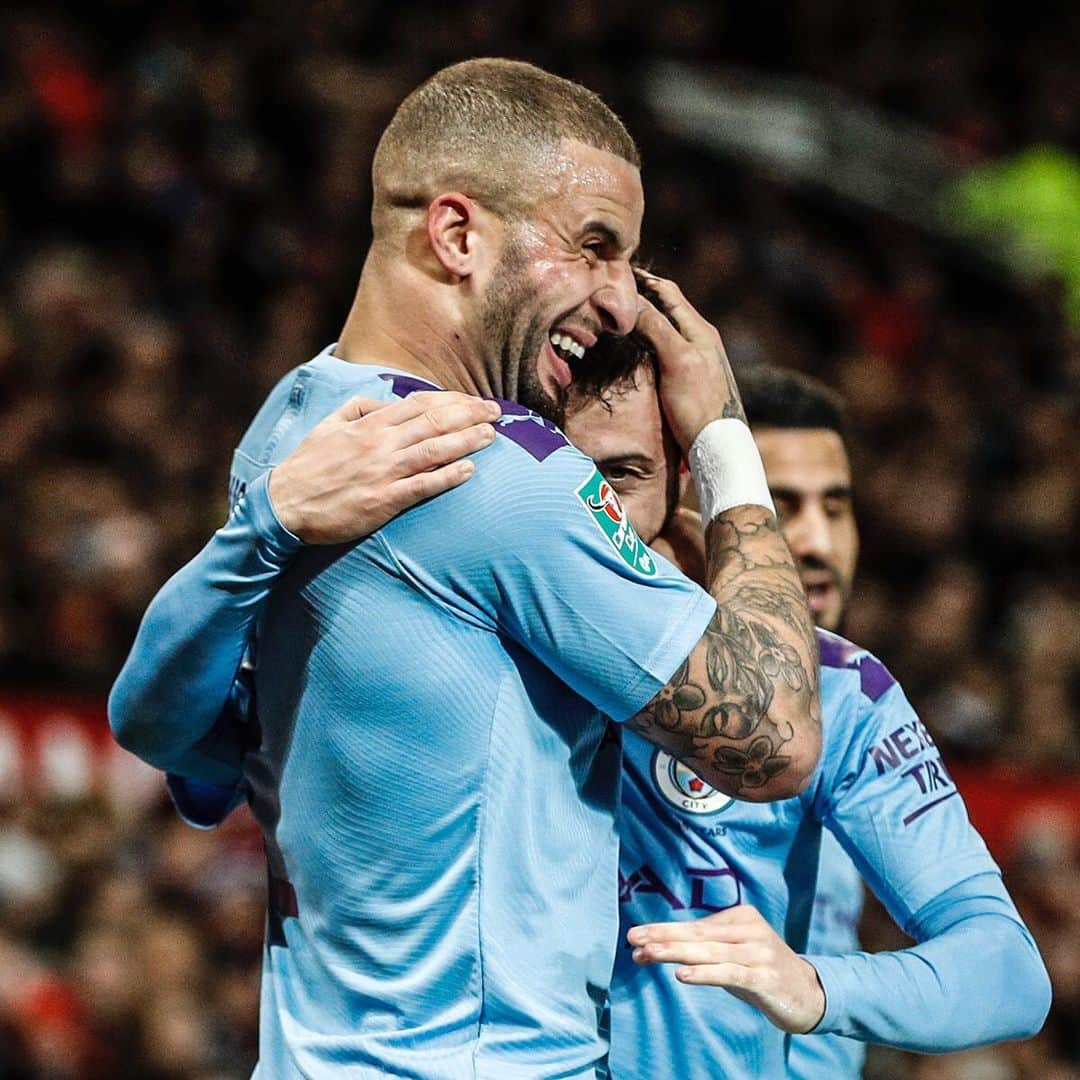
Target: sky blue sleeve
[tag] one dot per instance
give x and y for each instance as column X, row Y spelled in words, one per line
column 168, row 703
column 203, row 804
column 540, row 551
column 885, row 794
column 975, row 977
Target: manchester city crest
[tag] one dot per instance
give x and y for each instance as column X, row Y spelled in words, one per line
column 684, row 789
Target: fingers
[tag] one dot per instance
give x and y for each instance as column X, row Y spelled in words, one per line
column 472, row 410
column 732, row 924
column 411, row 490
column 700, row 952
column 463, row 409
column 690, row 325
column 357, row 408
column 729, row 976
column 657, row 327
column 456, row 415
column 457, row 410
column 431, row 453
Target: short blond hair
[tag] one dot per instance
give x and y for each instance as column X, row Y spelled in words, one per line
column 481, row 127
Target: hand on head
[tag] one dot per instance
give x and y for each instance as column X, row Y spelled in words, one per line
column 696, row 381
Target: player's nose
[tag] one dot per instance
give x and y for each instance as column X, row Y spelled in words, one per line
column 808, row 533
column 616, row 301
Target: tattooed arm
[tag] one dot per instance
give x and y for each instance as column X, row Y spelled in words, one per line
column 742, row 711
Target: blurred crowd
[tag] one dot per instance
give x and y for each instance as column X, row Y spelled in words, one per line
column 128, row 948
column 183, row 214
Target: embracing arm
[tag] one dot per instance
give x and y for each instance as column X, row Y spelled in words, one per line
column 177, row 678
column 356, row 469
column 743, row 710
column 975, row 975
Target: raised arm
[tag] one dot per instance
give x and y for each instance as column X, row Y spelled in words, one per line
column 362, row 465
column 743, row 710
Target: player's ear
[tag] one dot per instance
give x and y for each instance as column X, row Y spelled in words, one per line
column 456, row 229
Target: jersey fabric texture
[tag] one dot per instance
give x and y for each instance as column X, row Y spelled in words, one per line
column 687, row 851
column 433, row 774
column 834, row 924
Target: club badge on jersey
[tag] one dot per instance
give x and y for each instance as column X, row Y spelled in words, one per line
column 684, row 789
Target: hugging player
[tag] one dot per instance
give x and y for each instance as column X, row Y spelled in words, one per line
column 719, row 892
column 434, row 763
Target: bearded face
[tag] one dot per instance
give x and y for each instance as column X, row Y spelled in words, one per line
column 515, row 333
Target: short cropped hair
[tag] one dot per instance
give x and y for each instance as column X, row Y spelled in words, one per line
column 482, row 127
column 778, row 397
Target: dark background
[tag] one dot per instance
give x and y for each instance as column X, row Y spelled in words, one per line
column 184, row 194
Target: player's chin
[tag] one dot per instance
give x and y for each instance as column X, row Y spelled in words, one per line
column 830, row 616
column 546, row 393
column 824, row 602
column 553, row 372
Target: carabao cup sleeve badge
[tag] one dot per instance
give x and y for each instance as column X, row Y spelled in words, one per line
column 599, row 499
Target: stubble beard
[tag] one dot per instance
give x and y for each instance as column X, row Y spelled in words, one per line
column 512, row 353
column 843, row 590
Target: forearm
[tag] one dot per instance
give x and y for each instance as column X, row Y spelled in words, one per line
column 178, row 676
column 977, row 978
column 743, row 710
column 761, row 657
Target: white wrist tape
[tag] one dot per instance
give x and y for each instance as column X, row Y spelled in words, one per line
column 727, row 469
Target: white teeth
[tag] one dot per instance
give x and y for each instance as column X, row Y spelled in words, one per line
column 568, row 344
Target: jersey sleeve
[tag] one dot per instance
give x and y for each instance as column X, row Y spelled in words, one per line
column 168, row 704
column 887, row 796
column 974, row 977
column 542, row 552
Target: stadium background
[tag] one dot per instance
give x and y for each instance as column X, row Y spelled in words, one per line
column 183, row 202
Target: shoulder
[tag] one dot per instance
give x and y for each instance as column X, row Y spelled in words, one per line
column 532, row 462
column 529, row 431
column 858, row 696
column 531, row 484
column 529, row 488
column 854, row 667
column 529, row 436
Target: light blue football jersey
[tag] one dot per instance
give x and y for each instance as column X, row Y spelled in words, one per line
column 834, row 925
column 688, row 850
column 434, row 778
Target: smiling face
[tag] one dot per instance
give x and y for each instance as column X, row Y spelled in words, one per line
column 563, row 276
column 808, row 472
column 810, row 479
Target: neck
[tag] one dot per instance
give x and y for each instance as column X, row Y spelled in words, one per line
column 402, row 320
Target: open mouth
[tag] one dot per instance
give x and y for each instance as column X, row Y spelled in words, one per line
column 566, row 347
column 820, row 591
column 565, row 352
